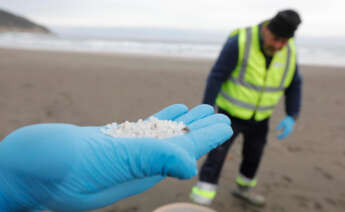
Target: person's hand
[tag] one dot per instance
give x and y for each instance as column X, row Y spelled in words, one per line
column 64, row 167
column 287, row 125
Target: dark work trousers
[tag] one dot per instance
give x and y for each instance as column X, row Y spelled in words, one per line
column 255, row 137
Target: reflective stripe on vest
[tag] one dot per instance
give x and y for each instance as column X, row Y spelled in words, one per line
column 267, row 92
column 246, row 105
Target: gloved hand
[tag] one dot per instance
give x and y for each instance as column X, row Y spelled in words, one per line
column 63, row 167
column 287, row 125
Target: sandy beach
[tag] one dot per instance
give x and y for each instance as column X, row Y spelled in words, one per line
column 305, row 172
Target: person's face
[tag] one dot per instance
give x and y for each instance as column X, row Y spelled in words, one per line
column 271, row 42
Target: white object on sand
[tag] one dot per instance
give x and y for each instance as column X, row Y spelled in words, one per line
column 152, row 128
column 183, row 207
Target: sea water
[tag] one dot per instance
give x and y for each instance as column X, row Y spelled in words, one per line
column 163, row 42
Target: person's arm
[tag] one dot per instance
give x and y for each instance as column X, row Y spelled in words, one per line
column 64, row 167
column 221, row 70
column 293, row 95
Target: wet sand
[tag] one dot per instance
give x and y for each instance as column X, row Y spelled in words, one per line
column 305, row 172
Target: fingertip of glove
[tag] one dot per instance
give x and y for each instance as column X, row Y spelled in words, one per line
column 224, row 129
column 223, row 118
column 181, row 107
column 206, row 107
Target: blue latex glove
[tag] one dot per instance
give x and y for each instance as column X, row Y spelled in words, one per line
column 63, row 167
column 287, row 125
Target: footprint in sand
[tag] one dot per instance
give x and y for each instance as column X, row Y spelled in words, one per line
column 318, row 206
column 331, row 201
column 287, row 179
column 303, row 201
column 327, row 175
column 294, row 149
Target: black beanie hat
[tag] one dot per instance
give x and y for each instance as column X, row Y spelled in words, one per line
column 285, row 23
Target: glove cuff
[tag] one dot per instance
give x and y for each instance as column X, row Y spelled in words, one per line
column 294, row 117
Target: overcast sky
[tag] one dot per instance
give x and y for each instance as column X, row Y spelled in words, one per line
column 319, row 17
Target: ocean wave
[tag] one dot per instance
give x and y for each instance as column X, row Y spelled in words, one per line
column 160, row 46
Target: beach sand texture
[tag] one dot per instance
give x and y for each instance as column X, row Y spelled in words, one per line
column 305, row 172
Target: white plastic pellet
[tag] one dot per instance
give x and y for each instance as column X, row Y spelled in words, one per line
column 151, row 128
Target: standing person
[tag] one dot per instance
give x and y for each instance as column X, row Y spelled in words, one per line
column 256, row 66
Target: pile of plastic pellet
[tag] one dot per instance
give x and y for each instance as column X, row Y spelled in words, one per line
column 152, row 128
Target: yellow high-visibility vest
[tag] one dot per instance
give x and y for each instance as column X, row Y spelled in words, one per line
column 252, row 91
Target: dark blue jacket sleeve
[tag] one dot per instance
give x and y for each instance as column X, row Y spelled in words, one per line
column 293, row 95
column 221, row 70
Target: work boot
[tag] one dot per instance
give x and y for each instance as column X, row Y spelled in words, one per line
column 246, row 193
column 203, row 193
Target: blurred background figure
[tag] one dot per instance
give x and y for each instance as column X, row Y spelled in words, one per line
column 256, row 67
